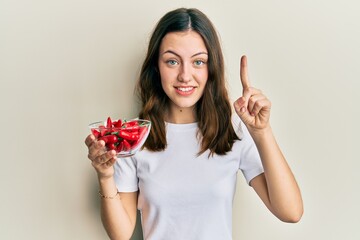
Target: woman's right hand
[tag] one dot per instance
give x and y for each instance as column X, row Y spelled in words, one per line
column 101, row 159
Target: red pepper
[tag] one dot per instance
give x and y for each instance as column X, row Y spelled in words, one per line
column 142, row 132
column 111, row 146
column 109, row 139
column 119, row 147
column 130, row 124
column 109, row 123
column 120, row 136
column 129, row 135
column 103, row 131
column 126, row 145
column 133, row 128
column 95, row 132
column 117, row 123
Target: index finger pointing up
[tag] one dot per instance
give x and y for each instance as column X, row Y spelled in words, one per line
column 244, row 73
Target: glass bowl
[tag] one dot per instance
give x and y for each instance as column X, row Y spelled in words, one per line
column 126, row 137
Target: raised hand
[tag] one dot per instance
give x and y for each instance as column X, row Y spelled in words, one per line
column 252, row 107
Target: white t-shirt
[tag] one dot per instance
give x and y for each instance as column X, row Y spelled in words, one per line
column 185, row 196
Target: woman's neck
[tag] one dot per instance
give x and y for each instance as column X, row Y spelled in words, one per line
column 180, row 115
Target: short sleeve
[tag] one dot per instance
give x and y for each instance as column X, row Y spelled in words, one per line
column 250, row 161
column 125, row 175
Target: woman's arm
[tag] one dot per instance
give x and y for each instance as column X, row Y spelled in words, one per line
column 118, row 214
column 277, row 187
column 118, row 210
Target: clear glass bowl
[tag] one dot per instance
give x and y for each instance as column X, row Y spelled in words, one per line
column 126, row 137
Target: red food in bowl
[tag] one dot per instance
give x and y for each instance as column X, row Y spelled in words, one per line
column 125, row 137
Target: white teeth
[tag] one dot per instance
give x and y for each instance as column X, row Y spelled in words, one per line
column 185, row 89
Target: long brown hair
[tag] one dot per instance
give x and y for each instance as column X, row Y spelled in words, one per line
column 213, row 110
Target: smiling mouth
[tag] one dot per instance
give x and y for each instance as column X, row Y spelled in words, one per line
column 185, row 89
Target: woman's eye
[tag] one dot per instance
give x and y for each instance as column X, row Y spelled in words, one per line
column 171, row 62
column 199, row 62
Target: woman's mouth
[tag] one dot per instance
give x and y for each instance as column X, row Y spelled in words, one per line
column 185, row 90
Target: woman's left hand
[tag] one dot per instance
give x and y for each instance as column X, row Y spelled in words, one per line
column 253, row 107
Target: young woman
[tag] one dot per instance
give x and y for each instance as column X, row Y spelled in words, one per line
column 183, row 180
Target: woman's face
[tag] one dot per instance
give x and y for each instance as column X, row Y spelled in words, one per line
column 183, row 68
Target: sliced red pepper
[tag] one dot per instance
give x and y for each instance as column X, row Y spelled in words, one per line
column 117, row 123
column 129, row 135
column 95, row 132
column 109, row 123
column 111, row 146
column 133, row 128
column 109, row 139
column 142, row 132
column 119, row 147
column 102, row 130
column 130, row 124
column 126, row 145
column 120, row 136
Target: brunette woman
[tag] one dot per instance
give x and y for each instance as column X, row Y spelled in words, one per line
column 183, row 180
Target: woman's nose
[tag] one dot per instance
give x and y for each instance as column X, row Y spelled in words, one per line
column 185, row 73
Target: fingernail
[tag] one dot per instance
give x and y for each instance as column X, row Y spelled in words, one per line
column 243, row 109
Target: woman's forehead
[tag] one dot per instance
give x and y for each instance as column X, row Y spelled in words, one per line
column 187, row 42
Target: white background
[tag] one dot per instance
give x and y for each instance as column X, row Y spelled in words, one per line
column 64, row 64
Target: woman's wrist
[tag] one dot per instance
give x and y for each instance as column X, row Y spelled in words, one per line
column 109, row 196
column 107, row 186
column 105, row 178
column 259, row 134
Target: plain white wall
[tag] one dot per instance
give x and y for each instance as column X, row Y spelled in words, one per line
column 64, row 64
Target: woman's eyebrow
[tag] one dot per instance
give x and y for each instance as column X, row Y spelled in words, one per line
column 172, row 52
column 199, row 53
